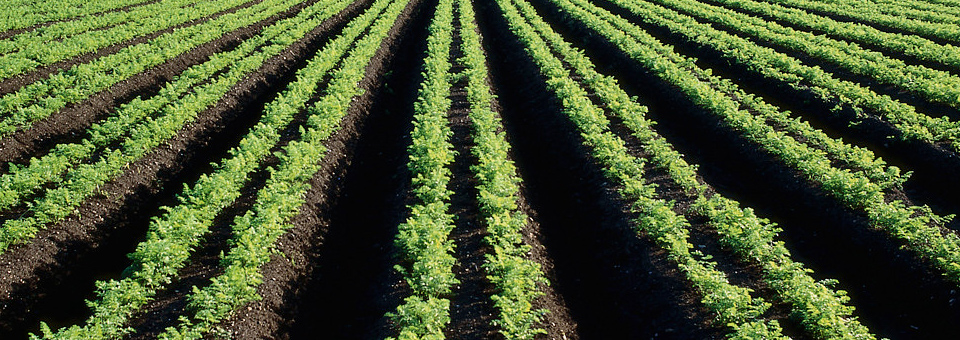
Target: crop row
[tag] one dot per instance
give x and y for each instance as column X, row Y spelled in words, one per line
column 933, row 85
column 85, row 179
column 175, row 234
column 749, row 236
column 21, row 182
column 789, row 70
column 917, row 227
column 41, row 53
column 868, row 15
column 919, row 9
column 856, row 159
column 64, row 29
column 423, row 240
column 182, row 226
column 20, row 16
column 731, row 303
column 515, row 276
column 255, row 233
column 38, row 100
column 911, row 45
column 944, row 16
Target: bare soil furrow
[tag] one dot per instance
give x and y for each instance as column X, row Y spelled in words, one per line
column 354, row 206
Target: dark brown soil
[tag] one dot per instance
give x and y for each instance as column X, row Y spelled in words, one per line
column 615, row 284
column 558, row 322
column 151, row 320
column 335, row 276
column 471, row 310
column 91, row 244
column 882, row 280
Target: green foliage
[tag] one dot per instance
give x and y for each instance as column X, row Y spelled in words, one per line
column 853, row 189
column 421, row 319
column 425, row 250
column 30, row 13
column 516, row 277
column 732, row 304
column 40, row 99
column 175, row 234
column 86, row 179
column 256, row 232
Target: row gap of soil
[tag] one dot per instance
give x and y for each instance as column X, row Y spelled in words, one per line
column 203, row 265
column 557, row 322
column 10, row 33
column 895, row 294
column 69, row 125
column 471, row 310
column 336, row 274
column 875, row 46
column 91, row 244
column 928, row 185
column 615, row 284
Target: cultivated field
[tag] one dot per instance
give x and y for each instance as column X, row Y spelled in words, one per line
column 479, row 169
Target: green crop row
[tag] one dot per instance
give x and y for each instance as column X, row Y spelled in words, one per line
column 821, row 309
column 733, row 305
column 515, row 276
column 933, row 85
column 917, row 227
column 255, row 233
column 858, row 12
column 40, row 53
column 66, row 29
column 424, row 248
column 856, row 159
column 85, row 179
column 774, row 65
column 173, row 236
column 778, row 66
column 20, row 182
column 28, row 13
column 911, row 45
column 916, row 9
column 36, row 101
